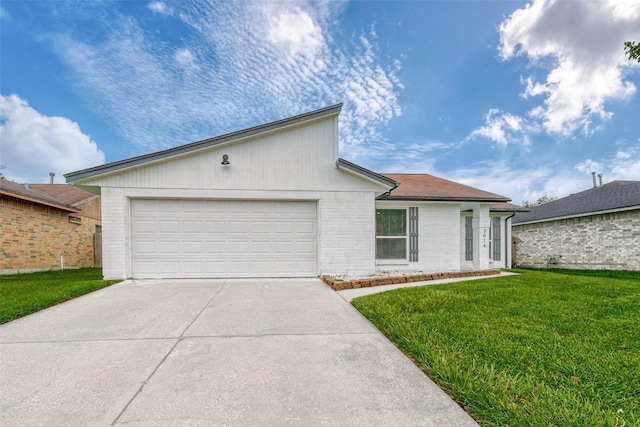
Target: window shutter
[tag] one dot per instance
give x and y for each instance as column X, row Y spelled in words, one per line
column 413, row 234
column 497, row 244
column 468, row 238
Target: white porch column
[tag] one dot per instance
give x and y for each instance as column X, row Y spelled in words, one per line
column 481, row 237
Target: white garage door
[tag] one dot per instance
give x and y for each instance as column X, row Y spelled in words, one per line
column 204, row 238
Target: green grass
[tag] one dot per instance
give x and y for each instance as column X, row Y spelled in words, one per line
column 544, row 348
column 22, row 294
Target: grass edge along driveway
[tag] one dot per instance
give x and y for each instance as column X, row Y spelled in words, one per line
column 544, row 348
column 26, row 293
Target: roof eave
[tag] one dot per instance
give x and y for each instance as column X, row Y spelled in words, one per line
column 366, row 173
column 579, row 215
column 442, row 199
column 40, row 201
column 508, row 210
column 198, row 145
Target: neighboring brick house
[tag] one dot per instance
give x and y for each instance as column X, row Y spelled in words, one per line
column 596, row 229
column 46, row 226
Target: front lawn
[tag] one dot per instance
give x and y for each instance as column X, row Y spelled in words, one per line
column 22, row 294
column 544, row 348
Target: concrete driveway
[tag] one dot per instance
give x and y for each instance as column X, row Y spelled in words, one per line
column 211, row 352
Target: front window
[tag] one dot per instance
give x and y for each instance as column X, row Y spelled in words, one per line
column 391, row 233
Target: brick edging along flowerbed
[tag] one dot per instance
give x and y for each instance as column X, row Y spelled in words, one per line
column 338, row 285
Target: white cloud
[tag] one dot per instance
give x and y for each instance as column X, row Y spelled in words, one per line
column 160, row 7
column 588, row 166
column 186, row 59
column 34, row 144
column 584, row 41
column 625, row 164
column 256, row 62
column 296, row 31
column 503, row 128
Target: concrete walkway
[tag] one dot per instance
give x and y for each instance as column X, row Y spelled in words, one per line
column 211, row 352
column 349, row 294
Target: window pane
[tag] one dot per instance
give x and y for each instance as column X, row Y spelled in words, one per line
column 391, row 222
column 391, row 248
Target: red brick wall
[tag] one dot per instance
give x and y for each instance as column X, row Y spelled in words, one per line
column 34, row 236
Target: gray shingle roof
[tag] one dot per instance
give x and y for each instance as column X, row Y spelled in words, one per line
column 611, row 196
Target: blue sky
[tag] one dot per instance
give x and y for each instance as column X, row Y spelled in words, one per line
column 518, row 98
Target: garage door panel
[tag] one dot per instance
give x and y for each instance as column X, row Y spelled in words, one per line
column 215, row 227
column 238, row 247
column 215, row 247
column 215, row 268
column 305, row 227
column 261, row 248
column 183, row 238
column 168, row 247
column 238, row 227
column 193, row 248
column 146, row 247
column 190, row 226
column 305, row 248
column 261, row 227
column 145, row 226
column 283, row 248
column 165, row 226
column 238, row 267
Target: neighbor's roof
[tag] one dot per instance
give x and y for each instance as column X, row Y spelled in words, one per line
column 199, row 145
column 64, row 193
column 613, row 196
column 20, row 191
column 429, row 187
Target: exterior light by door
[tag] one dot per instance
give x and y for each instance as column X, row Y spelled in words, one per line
column 225, row 160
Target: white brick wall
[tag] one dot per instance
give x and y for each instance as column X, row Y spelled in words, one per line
column 597, row 242
column 438, row 237
column 114, row 235
column 346, row 226
column 347, row 234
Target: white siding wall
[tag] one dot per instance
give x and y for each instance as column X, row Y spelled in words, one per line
column 298, row 158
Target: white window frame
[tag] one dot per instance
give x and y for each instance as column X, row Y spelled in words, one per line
column 405, row 237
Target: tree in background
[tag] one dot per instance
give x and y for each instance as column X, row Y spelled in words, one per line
column 541, row 201
column 632, row 49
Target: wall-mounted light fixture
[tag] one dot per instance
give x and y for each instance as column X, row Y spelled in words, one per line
column 225, row 160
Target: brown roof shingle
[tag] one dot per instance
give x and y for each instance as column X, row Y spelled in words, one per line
column 429, row 187
column 64, row 193
column 27, row 192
